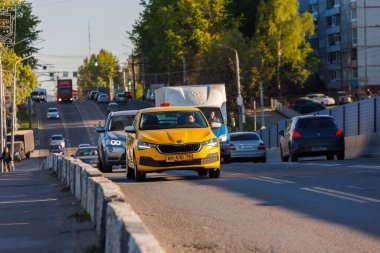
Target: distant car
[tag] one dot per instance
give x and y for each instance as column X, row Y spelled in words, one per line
column 57, row 139
column 311, row 136
column 342, row 97
column 56, row 149
column 305, row 105
column 83, row 145
column 88, row 155
column 322, row 98
column 247, row 146
column 121, row 98
column 111, row 142
column 97, row 95
column 129, row 95
column 92, row 94
column 42, row 96
column 103, row 98
column 150, row 96
column 112, row 107
column 52, row 113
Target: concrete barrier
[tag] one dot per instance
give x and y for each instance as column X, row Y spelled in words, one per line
column 118, row 226
column 125, row 231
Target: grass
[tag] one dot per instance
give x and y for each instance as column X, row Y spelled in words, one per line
column 23, row 118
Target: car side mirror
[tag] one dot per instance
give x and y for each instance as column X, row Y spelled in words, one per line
column 99, row 129
column 129, row 129
column 216, row 125
column 281, row 133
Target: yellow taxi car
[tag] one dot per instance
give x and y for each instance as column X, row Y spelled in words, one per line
column 171, row 138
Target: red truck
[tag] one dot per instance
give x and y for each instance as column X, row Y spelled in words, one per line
column 65, row 90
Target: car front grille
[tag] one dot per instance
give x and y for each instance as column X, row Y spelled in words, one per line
column 184, row 148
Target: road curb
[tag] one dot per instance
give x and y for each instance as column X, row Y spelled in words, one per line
column 119, row 228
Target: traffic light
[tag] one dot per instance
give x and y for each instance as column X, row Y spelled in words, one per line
column 129, row 82
column 96, row 63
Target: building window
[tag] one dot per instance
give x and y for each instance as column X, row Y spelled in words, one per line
column 334, row 39
column 354, row 54
column 336, row 75
column 334, row 57
column 353, row 14
column 354, row 73
column 333, row 20
column 333, row 3
column 354, row 36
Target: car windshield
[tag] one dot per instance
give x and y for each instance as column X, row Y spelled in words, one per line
column 53, row 110
column 244, row 137
column 212, row 114
column 87, row 152
column 57, row 138
column 35, row 93
column 172, row 119
column 118, row 123
column 316, row 122
column 113, row 106
column 66, row 91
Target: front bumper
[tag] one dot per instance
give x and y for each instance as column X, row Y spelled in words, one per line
column 115, row 155
column 150, row 160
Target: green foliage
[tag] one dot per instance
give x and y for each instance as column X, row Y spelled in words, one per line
column 91, row 76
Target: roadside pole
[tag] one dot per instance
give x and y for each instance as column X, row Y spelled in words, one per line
column 2, row 141
column 262, row 104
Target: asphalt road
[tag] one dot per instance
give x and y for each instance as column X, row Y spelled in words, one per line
column 314, row 205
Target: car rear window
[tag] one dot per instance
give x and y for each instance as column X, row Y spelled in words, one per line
column 56, row 138
column 120, row 95
column 316, row 122
column 244, row 137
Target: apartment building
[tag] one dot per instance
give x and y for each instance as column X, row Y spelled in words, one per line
column 347, row 41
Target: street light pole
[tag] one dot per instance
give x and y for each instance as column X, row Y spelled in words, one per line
column 14, row 108
column 133, row 71
column 239, row 99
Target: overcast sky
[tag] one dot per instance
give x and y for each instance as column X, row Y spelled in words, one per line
column 64, row 25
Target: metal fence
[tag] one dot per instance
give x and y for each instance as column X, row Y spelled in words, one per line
column 357, row 118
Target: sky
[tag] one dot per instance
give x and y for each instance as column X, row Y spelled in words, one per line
column 65, row 29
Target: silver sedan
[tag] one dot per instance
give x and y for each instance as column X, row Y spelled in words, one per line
column 247, row 146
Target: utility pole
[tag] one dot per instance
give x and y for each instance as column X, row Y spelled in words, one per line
column 184, row 69
column 133, row 76
column 262, row 104
column 2, row 139
column 143, row 71
column 239, row 99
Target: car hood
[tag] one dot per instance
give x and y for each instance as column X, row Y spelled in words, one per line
column 56, row 142
column 173, row 136
column 115, row 135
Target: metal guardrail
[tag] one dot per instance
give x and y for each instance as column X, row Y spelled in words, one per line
column 357, row 118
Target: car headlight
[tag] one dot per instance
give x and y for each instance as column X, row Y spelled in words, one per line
column 211, row 143
column 113, row 142
column 144, row 145
column 223, row 137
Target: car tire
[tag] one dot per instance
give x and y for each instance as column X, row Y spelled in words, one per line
column 227, row 159
column 202, row 172
column 139, row 176
column 130, row 172
column 330, row 156
column 104, row 166
column 340, row 155
column 214, row 173
column 293, row 157
column 27, row 155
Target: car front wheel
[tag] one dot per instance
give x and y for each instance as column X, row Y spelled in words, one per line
column 139, row 176
column 214, row 173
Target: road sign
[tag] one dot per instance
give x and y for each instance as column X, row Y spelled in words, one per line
column 7, row 27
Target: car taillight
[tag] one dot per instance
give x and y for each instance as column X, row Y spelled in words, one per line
column 232, row 147
column 290, row 104
column 261, row 147
column 296, row 134
column 339, row 132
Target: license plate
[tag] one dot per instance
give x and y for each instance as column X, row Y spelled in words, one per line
column 318, row 148
column 247, row 146
column 179, row 158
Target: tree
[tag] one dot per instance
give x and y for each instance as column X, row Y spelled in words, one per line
column 280, row 41
column 103, row 74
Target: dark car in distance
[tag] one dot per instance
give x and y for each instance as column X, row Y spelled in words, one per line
column 305, row 105
column 311, row 135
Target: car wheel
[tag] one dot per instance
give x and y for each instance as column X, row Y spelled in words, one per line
column 214, row 173
column 330, row 156
column 340, row 155
column 227, row 159
column 130, row 172
column 283, row 158
column 27, row 155
column 293, row 157
column 139, row 176
column 202, row 172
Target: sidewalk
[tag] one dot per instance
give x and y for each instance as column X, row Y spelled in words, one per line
column 38, row 215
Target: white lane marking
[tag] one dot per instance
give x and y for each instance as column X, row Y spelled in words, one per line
column 354, row 187
column 333, row 195
column 27, row 201
column 322, row 164
column 13, row 196
column 365, row 166
column 14, row 179
column 232, row 173
column 13, row 224
column 265, row 180
column 348, row 194
column 364, row 171
column 280, row 180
